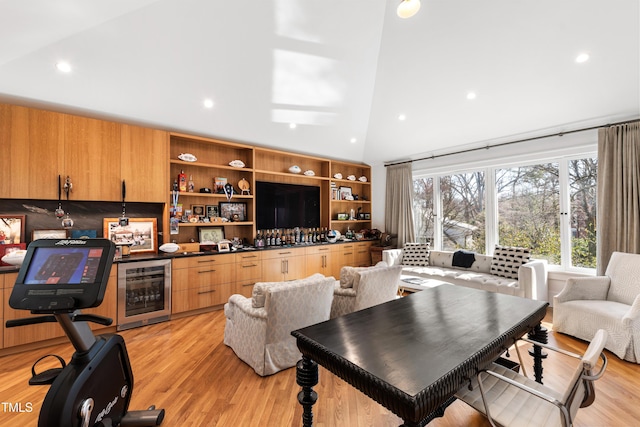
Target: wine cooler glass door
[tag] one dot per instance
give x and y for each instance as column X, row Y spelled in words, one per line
column 144, row 293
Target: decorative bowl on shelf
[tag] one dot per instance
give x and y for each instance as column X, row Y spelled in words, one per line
column 309, row 173
column 15, row 258
column 295, row 169
column 236, row 163
column 169, row 247
column 187, row 157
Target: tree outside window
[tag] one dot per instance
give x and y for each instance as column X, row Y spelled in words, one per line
column 463, row 211
column 529, row 208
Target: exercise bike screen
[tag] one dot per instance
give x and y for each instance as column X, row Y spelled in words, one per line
column 63, row 265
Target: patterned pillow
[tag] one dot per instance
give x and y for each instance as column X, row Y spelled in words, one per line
column 415, row 254
column 508, row 259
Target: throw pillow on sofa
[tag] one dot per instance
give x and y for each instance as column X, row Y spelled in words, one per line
column 508, row 259
column 415, row 254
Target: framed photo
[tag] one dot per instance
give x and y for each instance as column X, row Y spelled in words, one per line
column 54, row 233
column 12, row 229
column 223, row 247
column 211, row 211
column 233, row 211
column 208, row 235
column 367, row 216
column 9, row 248
column 141, row 234
column 218, row 184
column 345, row 193
column 83, row 234
column 198, row 210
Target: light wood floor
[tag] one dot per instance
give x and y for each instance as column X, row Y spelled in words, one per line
column 184, row 367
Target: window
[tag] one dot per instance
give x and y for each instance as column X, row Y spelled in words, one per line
column 548, row 206
column 582, row 194
column 528, row 209
column 463, row 211
column 423, row 211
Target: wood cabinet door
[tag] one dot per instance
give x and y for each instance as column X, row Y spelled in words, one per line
column 144, row 165
column 319, row 260
column 92, row 158
column 345, row 256
column 32, row 149
column 295, row 267
column 273, row 270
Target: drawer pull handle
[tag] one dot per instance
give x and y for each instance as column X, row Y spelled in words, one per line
column 206, row 271
column 250, row 265
column 206, row 261
column 249, row 256
column 206, row 292
column 248, row 284
column 284, row 253
column 348, row 253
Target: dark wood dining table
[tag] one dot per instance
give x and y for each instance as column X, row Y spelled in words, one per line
column 412, row 354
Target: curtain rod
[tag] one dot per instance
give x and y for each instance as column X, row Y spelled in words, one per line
column 533, row 138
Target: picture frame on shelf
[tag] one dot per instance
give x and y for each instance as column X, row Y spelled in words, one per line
column 141, row 234
column 51, row 233
column 198, row 210
column 345, row 193
column 84, row 234
column 210, row 235
column 218, row 184
column 12, row 229
column 233, row 211
column 211, row 211
column 223, row 246
column 367, row 216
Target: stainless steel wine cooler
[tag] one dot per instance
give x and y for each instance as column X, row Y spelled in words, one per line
column 144, row 293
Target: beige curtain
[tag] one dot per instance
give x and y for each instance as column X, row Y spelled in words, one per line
column 398, row 212
column 618, row 212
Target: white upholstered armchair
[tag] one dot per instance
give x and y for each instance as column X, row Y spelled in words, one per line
column 258, row 329
column 364, row 287
column 610, row 302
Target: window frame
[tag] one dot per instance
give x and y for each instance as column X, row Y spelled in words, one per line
column 491, row 203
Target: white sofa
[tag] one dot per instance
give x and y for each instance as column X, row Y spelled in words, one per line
column 258, row 329
column 507, row 272
column 610, row 302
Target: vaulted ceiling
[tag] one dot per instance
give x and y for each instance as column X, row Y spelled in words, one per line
column 342, row 71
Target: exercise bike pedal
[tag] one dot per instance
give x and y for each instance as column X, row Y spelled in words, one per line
column 47, row 376
column 148, row 418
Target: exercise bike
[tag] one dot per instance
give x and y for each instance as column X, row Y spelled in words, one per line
column 58, row 278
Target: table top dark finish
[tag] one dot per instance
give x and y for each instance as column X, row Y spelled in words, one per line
column 414, row 353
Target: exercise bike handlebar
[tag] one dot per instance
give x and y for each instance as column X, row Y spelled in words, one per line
column 78, row 317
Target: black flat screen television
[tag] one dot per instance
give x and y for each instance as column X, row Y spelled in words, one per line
column 287, row 205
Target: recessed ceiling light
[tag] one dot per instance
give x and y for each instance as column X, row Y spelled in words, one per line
column 583, row 57
column 63, row 66
column 208, row 103
column 402, row 117
column 353, row 140
column 292, row 125
column 471, row 95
